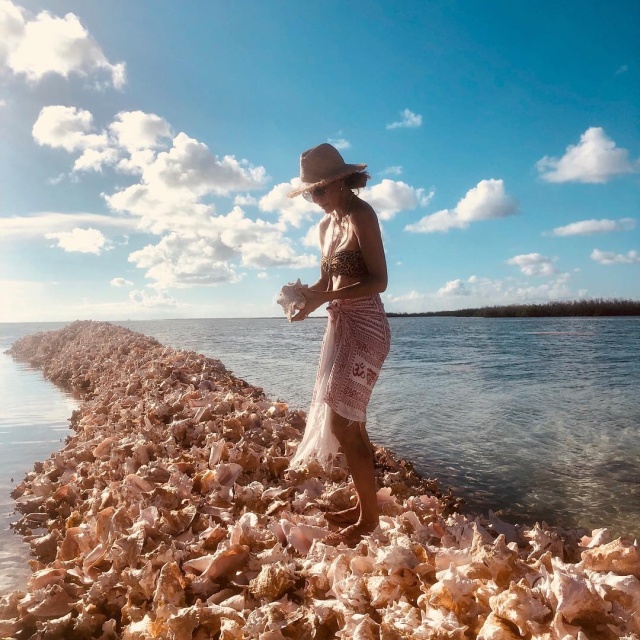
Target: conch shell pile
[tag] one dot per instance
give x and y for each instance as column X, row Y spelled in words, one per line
column 291, row 298
column 171, row 513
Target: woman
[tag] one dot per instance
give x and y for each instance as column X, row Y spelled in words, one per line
column 353, row 273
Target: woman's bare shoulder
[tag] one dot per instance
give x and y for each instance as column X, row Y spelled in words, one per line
column 324, row 223
column 362, row 213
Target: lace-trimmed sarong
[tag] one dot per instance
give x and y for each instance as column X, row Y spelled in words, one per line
column 356, row 343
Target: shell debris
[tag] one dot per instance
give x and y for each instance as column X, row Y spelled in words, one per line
column 170, row 513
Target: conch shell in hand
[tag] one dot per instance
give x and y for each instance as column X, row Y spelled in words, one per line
column 291, row 298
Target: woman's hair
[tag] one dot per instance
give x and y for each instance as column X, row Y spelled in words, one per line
column 357, row 180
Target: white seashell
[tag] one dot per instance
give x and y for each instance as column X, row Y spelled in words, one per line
column 622, row 591
column 365, row 629
column 53, row 602
column 439, row 623
column 384, row 589
column 272, row 581
column 543, row 541
column 219, row 563
column 361, row 565
column 45, row 577
column 519, row 605
column 453, row 591
column 494, row 628
column 9, row 627
column 170, row 587
column 496, row 561
column 291, row 298
column 396, row 558
column 597, row 538
column 574, row 596
column 619, row 556
column 447, row 556
column 144, row 510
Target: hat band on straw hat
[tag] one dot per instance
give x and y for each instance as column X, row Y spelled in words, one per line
column 320, row 166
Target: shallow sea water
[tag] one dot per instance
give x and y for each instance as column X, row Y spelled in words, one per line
column 537, row 419
column 34, row 422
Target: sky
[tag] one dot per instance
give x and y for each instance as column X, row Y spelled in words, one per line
column 147, row 149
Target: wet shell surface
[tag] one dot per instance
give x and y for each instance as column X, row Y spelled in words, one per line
column 171, row 513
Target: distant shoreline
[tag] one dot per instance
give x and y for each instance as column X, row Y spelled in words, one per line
column 564, row 309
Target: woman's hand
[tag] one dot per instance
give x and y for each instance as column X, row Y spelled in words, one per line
column 313, row 300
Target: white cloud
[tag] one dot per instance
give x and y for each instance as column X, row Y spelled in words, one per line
column 174, row 182
column 190, row 166
column 608, row 257
column 409, row 120
column 623, row 69
column 42, row 223
column 121, row 282
column 245, row 201
column 67, row 128
column 3, row 103
column 487, row 200
column 262, row 275
column 197, row 246
column 293, row 211
column 589, row 227
column 392, row 171
column 210, row 254
column 136, row 130
column 485, row 291
column 79, row 240
column 595, row 159
column 94, row 159
column 454, row 288
column 533, row 264
column 339, row 143
column 179, row 260
column 477, row 291
column 50, row 44
column 389, row 197
column 260, row 243
column 405, row 297
column 56, row 179
column 312, row 237
column 152, row 300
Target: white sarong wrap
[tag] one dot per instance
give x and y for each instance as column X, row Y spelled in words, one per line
column 356, row 343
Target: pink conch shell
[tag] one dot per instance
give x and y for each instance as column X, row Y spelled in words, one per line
column 618, row 556
column 291, row 298
column 496, row 629
column 172, row 513
column 519, row 605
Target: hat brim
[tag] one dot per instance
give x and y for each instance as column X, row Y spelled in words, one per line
column 347, row 170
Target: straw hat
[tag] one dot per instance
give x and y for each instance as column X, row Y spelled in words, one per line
column 321, row 165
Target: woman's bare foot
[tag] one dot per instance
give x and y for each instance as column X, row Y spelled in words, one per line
column 351, row 535
column 345, row 517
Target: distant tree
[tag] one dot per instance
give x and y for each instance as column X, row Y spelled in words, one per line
column 556, row 309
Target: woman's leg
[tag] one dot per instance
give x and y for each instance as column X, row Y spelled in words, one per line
column 352, row 514
column 355, row 444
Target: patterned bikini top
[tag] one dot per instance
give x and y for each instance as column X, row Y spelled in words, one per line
column 345, row 263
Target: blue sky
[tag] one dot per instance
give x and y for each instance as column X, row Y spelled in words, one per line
column 148, row 147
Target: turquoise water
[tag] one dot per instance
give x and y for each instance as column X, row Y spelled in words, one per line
column 536, row 418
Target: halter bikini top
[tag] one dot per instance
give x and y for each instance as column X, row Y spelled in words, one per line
column 345, row 263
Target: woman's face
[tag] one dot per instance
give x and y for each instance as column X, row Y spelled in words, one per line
column 330, row 197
